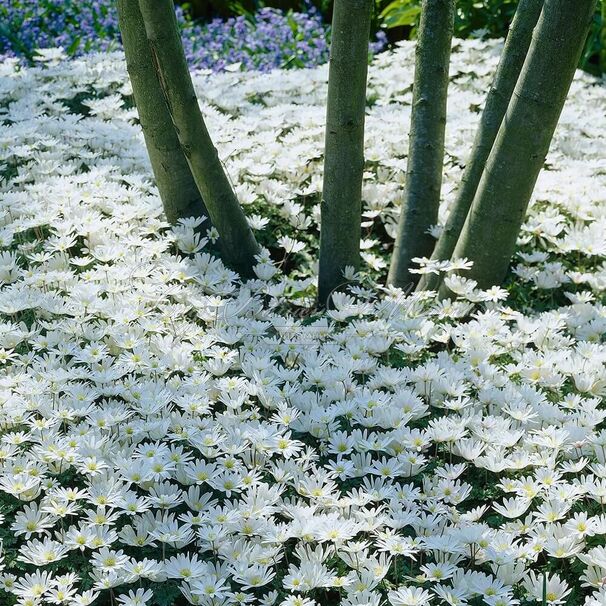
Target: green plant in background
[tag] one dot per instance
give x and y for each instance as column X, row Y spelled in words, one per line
column 594, row 55
column 492, row 18
column 401, row 13
column 474, row 18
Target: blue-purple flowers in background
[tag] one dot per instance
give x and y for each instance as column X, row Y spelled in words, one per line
column 272, row 39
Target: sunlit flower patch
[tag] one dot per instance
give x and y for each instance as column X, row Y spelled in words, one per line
column 169, row 433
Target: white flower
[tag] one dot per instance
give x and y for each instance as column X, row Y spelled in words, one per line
column 140, row 597
column 409, row 596
column 151, row 403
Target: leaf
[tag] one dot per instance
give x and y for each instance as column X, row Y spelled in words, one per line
column 401, row 12
column 71, row 49
column 166, row 594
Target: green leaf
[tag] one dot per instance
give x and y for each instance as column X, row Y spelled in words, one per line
column 166, row 594
column 71, row 49
column 401, row 12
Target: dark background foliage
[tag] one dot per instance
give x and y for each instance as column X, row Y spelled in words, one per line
column 490, row 16
column 81, row 26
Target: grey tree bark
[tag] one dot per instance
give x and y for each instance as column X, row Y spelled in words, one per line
column 340, row 229
column 178, row 190
column 490, row 232
column 507, row 74
column 238, row 243
column 426, row 142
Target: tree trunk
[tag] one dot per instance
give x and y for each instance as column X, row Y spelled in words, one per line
column 490, row 232
column 497, row 101
column 344, row 145
column 426, row 141
column 237, row 241
column 178, row 190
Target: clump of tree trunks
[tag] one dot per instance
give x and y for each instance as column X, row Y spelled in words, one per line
column 178, row 190
column 517, row 125
column 489, row 235
column 497, row 101
column 164, row 94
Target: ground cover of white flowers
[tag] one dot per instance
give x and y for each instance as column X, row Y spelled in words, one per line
column 169, row 435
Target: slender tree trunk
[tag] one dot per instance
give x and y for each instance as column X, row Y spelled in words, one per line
column 238, row 244
column 497, row 101
column 490, row 232
column 178, row 190
column 426, row 142
column 344, row 146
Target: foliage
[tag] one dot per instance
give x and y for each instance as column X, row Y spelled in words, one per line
column 78, row 26
column 401, row 13
column 488, row 17
column 491, row 18
column 485, row 18
column 268, row 39
column 256, row 36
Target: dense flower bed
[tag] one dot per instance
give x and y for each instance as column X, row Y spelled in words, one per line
column 272, row 39
column 168, row 430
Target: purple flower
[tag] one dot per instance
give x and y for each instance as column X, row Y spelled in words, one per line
column 271, row 39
